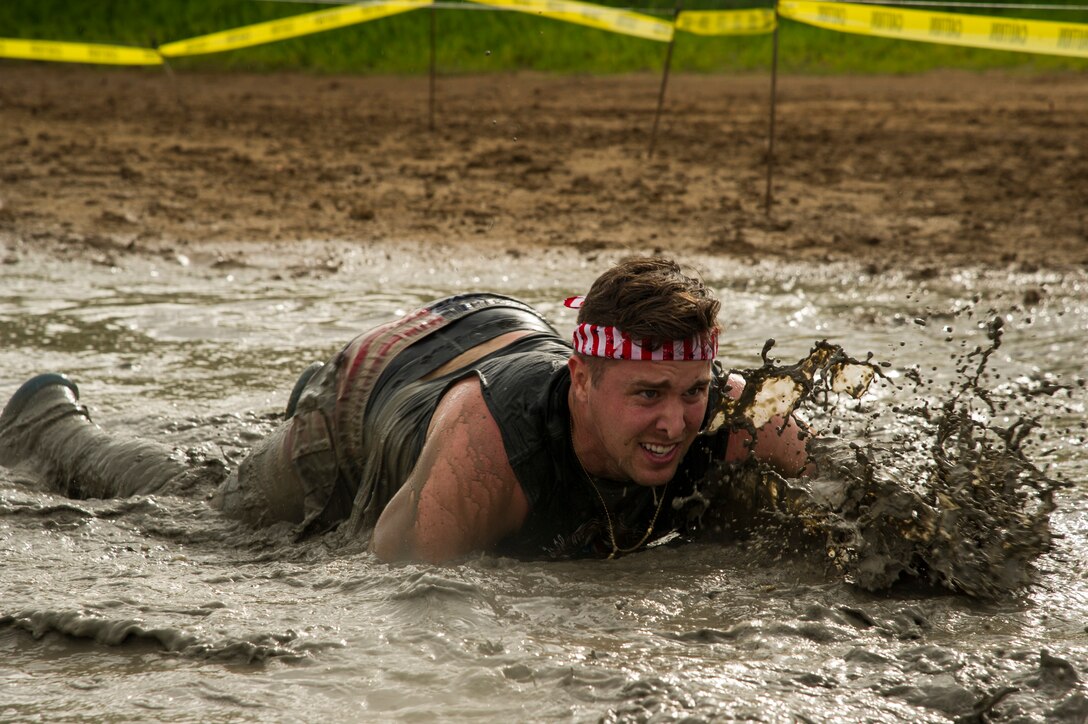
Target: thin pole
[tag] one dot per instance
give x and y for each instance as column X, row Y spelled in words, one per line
column 165, row 64
column 172, row 78
column 431, row 104
column 664, row 81
column 769, row 196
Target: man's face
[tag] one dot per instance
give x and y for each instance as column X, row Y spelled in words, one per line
column 639, row 417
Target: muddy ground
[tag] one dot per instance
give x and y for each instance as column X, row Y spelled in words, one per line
column 927, row 171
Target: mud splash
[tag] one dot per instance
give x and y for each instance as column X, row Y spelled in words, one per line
column 950, row 499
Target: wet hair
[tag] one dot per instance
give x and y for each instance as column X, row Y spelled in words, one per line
column 652, row 298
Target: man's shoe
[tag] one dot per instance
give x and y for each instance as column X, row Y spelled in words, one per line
column 300, row 385
column 38, row 402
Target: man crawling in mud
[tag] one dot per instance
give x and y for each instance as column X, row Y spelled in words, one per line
column 467, row 425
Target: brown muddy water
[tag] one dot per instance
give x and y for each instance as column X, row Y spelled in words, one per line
column 157, row 608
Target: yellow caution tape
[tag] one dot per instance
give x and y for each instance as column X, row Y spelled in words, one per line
column 726, row 22
column 624, row 22
column 290, row 27
column 976, row 31
column 64, row 52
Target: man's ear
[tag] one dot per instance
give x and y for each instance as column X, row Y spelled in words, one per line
column 579, row 377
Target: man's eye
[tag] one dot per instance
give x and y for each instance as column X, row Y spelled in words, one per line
column 649, row 394
column 696, row 391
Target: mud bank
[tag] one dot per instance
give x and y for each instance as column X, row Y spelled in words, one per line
column 927, row 171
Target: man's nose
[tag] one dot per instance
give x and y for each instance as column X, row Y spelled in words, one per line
column 672, row 421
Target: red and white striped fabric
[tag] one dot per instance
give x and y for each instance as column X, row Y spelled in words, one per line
column 611, row 343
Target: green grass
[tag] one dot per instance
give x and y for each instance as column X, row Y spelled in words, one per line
column 482, row 41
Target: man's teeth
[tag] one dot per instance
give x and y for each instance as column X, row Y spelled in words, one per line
column 658, row 449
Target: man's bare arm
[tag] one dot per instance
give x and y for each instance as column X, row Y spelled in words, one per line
column 784, row 447
column 462, row 495
column 781, row 442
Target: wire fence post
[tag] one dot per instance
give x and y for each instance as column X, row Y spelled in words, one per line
column 768, row 198
column 431, row 96
column 173, row 80
column 664, row 81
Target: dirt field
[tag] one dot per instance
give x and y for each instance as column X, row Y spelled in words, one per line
column 924, row 171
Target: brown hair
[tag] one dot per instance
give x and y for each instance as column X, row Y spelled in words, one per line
column 651, row 298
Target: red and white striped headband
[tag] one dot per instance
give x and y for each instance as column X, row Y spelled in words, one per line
column 602, row 341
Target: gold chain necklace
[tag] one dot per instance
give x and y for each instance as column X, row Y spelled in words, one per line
column 608, row 516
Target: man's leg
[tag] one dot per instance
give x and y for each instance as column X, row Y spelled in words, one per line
column 44, row 425
column 292, row 474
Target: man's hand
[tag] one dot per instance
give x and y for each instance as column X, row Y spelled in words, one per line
column 462, row 495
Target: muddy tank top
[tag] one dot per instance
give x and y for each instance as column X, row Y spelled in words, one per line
column 527, row 394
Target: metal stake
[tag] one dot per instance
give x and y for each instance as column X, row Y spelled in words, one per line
column 664, row 81
column 431, row 103
column 769, row 196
